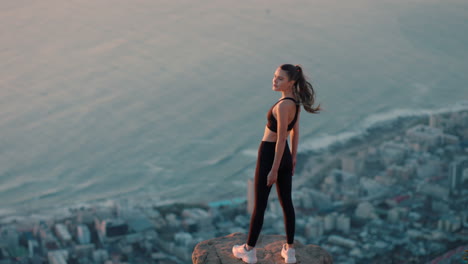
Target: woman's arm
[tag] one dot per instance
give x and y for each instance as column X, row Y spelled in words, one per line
column 282, row 113
column 295, row 139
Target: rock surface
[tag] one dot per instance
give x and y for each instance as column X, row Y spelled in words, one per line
column 219, row 251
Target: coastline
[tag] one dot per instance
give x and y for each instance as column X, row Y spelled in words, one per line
column 379, row 129
column 339, row 207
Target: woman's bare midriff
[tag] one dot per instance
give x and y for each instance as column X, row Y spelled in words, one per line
column 269, row 135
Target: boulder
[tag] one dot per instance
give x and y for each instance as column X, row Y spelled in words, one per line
column 219, row 250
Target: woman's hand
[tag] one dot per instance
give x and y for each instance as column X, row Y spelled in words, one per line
column 272, row 177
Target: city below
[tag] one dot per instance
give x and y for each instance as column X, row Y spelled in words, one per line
column 396, row 194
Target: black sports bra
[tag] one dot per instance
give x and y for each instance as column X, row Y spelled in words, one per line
column 272, row 124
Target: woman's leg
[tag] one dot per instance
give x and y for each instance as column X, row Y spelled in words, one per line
column 283, row 188
column 265, row 158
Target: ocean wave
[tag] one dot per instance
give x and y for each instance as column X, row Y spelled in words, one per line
column 248, row 152
column 7, row 212
column 216, row 161
column 390, row 116
column 156, row 169
column 86, row 183
column 325, row 141
column 50, row 192
column 251, row 153
column 19, row 183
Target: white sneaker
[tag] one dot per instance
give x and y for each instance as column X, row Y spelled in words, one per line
column 289, row 254
column 248, row 256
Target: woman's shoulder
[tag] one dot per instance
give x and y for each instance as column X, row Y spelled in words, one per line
column 285, row 105
column 287, row 101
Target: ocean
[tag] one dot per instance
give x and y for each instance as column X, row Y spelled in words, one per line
column 168, row 99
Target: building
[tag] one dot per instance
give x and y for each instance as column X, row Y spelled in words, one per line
column 369, row 187
column 365, row 210
column 343, row 223
column 110, row 228
column 424, row 137
column 458, row 170
column 341, row 241
column 393, row 152
column 10, row 237
column 83, row 235
column 329, row 221
column 183, row 239
column 400, row 172
column 341, row 185
column 57, row 256
column 434, row 190
column 62, row 233
column 314, row 228
column 449, row 223
column 352, row 164
column 197, row 219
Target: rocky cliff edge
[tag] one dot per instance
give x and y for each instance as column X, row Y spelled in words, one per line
column 218, row 251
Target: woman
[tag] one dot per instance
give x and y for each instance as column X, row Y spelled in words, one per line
column 275, row 161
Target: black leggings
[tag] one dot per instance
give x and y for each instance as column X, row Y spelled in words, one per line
column 266, row 155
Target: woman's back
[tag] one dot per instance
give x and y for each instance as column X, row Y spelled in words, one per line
column 285, row 105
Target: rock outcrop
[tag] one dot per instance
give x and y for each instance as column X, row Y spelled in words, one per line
column 219, row 251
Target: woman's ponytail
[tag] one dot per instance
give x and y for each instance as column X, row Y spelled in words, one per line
column 302, row 89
